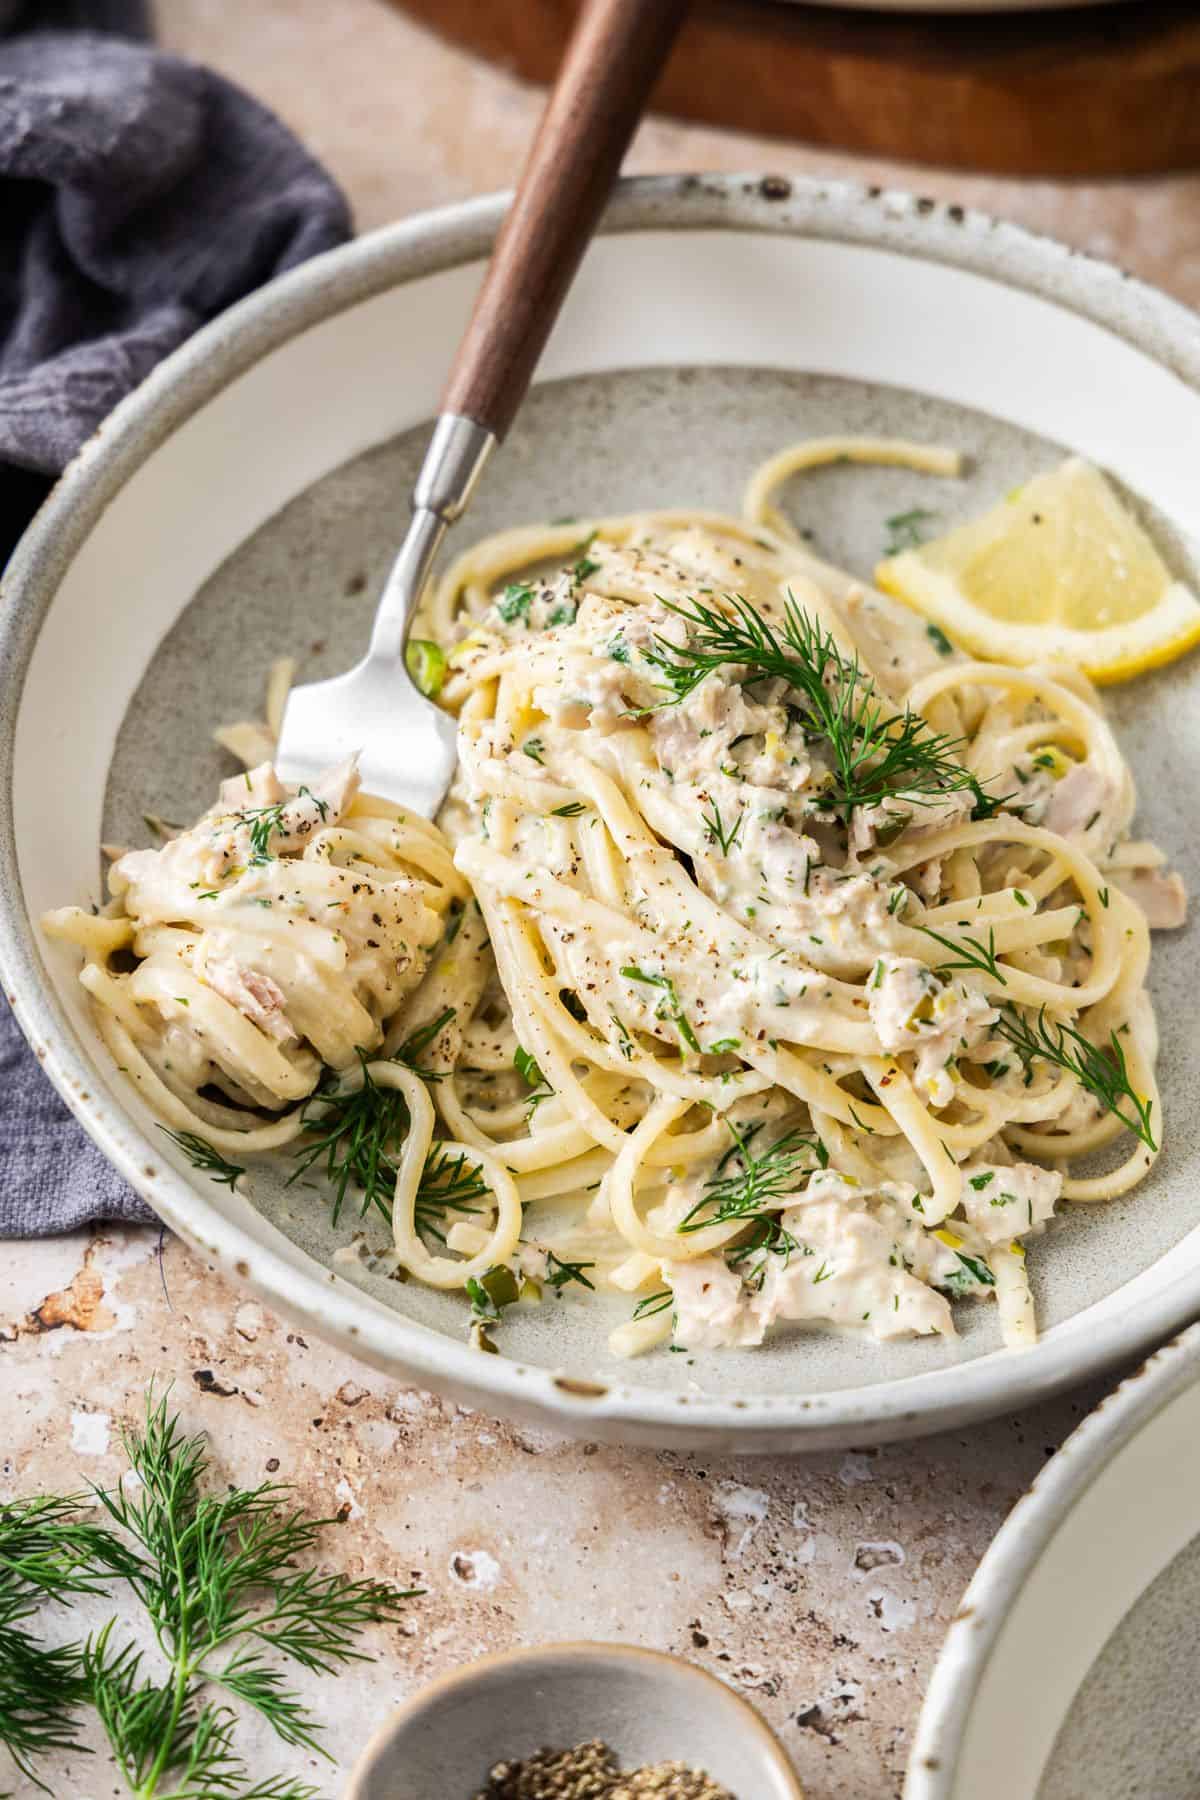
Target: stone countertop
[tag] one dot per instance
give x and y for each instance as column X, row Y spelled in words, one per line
column 820, row 1587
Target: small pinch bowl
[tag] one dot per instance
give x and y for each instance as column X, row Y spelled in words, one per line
column 647, row 1706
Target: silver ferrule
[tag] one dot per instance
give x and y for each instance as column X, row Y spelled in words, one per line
column 453, row 464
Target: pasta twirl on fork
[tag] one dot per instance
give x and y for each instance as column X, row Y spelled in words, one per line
column 770, row 961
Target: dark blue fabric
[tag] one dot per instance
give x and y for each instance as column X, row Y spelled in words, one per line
column 139, row 196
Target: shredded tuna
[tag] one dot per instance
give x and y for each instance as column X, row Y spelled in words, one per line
column 1163, row 898
column 261, row 999
column 709, row 1305
column 1077, row 798
column 912, row 1010
column 257, row 787
column 1006, row 1202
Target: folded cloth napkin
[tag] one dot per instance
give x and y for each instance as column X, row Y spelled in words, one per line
column 139, row 196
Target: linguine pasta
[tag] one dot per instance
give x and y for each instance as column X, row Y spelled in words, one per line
column 770, row 961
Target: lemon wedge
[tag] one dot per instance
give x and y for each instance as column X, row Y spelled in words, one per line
column 1060, row 570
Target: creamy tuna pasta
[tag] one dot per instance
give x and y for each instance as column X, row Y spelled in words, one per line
column 771, row 962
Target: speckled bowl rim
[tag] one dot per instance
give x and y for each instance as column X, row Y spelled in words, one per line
column 841, row 212
column 1014, row 1552
column 577, row 1651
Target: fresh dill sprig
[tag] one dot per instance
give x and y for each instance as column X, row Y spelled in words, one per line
column 751, row 1258
column 353, row 1134
column 650, row 1304
column 41, row 1692
column 448, row 1184
column 746, row 1190
column 972, row 1273
column 1099, row 1068
column 905, row 530
column 265, row 821
column 515, row 601
column 527, row 1068
column 417, row 1042
column 203, row 1156
column 717, row 832
column 878, row 754
column 220, row 1578
column 670, row 1007
column 350, row 1131
column 50, row 1550
column 584, row 564
column 560, row 1274
column 969, row 953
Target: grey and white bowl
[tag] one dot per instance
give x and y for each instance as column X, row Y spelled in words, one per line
column 244, row 503
column 1071, row 1669
column 646, row 1706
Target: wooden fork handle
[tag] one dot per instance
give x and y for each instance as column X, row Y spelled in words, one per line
column 611, row 64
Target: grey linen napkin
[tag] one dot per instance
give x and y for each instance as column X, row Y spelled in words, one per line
column 139, row 195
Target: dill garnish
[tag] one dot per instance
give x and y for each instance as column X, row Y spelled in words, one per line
column 353, row 1133
column 747, row 1190
column 514, row 603
column 559, row 1273
column 49, row 1550
column 905, row 531
column 448, row 1184
column 218, row 1577
column 650, row 1304
column 1100, row 1069
column 969, row 953
column 972, row 1273
column 584, row 565
column 669, row 1007
column 717, row 832
column 571, row 810
column 265, row 821
column 202, row 1155
column 419, row 1041
column 751, row 1258
column 349, row 1131
column 878, row 754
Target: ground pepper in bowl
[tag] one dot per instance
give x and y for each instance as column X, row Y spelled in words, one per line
column 591, row 1772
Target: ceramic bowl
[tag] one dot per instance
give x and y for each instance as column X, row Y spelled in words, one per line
column 646, row 1706
column 244, row 504
column 1071, row 1669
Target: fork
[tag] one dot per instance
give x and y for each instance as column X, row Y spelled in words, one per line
column 405, row 744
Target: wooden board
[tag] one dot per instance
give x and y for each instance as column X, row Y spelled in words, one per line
column 1103, row 91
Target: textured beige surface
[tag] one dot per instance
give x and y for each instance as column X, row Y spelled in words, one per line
column 406, row 122
column 821, row 1587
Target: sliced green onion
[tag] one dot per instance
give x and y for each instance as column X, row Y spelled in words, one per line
column 426, row 662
